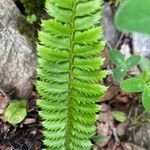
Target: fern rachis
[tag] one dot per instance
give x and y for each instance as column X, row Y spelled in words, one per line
column 69, row 71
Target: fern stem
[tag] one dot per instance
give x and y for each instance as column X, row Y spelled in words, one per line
column 71, row 78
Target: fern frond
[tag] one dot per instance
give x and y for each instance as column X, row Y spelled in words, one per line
column 69, row 73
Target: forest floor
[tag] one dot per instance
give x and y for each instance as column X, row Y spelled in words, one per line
column 26, row 135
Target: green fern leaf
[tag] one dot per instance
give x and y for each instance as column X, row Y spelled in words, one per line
column 62, row 15
column 88, row 37
column 53, row 56
column 69, row 73
column 88, row 8
column 88, row 64
column 64, row 4
column 54, row 42
column 56, row 28
column 87, row 22
column 88, row 50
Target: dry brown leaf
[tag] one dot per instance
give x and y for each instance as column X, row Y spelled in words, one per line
column 111, row 92
column 123, row 97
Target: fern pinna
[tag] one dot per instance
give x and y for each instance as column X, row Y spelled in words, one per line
column 69, row 72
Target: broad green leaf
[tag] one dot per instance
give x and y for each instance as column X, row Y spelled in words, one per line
column 116, row 57
column 100, row 139
column 133, row 85
column 132, row 61
column 134, row 16
column 119, row 72
column 144, row 76
column 145, row 64
column 16, row 112
column 146, row 98
column 119, row 116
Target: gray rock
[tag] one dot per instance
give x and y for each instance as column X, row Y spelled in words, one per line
column 140, row 135
column 141, row 44
column 110, row 33
column 17, row 55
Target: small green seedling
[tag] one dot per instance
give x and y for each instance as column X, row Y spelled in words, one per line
column 31, row 18
column 122, row 64
column 119, row 116
column 16, row 112
column 99, row 139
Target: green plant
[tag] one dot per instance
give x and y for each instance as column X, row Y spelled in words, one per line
column 133, row 16
column 138, row 84
column 16, row 112
column 122, row 64
column 119, row 116
column 31, row 18
column 69, row 72
column 100, row 139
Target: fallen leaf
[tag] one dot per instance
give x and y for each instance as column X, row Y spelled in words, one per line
column 16, row 112
column 110, row 93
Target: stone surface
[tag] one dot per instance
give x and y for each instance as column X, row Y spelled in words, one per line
column 110, row 33
column 17, row 55
column 141, row 44
column 142, row 136
column 139, row 134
